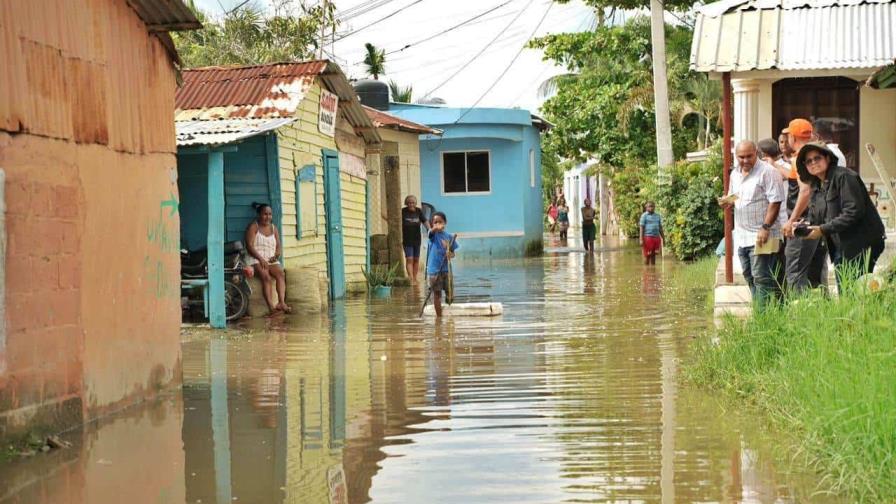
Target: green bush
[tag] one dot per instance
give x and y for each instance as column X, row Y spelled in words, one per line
column 628, row 201
column 685, row 197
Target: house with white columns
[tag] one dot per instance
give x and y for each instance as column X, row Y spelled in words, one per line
column 816, row 59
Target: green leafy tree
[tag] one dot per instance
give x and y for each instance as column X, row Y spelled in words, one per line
column 247, row 36
column 401, row 94
column 375, row 61
column 602, row 108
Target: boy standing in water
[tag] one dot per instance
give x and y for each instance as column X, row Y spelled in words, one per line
column 441, row 249
column 652, row 236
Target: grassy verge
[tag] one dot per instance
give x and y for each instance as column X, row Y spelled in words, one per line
column 824, row 370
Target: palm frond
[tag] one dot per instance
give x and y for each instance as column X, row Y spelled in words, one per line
column 549, row 86
column 375, row 60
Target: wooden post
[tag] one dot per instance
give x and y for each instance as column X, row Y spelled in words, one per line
column 215, row 241
column 727, row 121
column 391, row 167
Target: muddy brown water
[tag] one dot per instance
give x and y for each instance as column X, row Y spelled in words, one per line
column 571, row 396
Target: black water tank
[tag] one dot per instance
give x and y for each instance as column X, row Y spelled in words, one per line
column 373, row 93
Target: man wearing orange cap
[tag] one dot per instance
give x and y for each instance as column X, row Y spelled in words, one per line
column 805, row 260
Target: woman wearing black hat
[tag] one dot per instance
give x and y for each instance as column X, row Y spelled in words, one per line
column 841, row 210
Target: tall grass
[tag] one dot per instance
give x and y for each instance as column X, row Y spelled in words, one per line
column 823, row 369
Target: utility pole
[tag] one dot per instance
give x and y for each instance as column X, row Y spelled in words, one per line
column 323, row 29
column 664, row 155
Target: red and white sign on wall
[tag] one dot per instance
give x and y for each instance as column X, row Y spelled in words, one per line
column 327, row 120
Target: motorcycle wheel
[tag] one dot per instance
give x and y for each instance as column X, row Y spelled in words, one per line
column 235, row 300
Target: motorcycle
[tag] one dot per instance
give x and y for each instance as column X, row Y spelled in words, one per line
column 194, row 266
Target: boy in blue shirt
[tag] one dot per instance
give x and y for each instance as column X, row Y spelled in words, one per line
column 652, row 236
column 441, row 249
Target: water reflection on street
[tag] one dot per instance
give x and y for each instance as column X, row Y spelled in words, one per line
column 571, row 396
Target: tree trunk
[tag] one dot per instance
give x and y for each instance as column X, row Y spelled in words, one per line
column 393, row 210
column 664, row 154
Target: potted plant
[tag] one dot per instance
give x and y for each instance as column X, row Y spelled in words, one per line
column 380, row 279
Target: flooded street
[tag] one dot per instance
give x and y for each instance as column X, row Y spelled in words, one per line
column 570, row 396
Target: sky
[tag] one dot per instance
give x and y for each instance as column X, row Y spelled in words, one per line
column 429, row 66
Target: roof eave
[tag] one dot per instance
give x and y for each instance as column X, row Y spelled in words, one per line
column 338, row 83
column 165, row 15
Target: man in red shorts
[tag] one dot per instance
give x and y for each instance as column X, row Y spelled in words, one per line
column 652, row 236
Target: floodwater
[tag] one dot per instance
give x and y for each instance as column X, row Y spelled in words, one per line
column 571, row 396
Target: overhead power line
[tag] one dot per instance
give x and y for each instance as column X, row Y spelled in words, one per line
column 447, row 30
column 349, row 34
column 478, row 54
column 512, row 61
column 361, row 9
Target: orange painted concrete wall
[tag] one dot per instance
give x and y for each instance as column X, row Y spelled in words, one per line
column 92, row 269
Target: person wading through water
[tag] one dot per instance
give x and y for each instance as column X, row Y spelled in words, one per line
column 589, row 230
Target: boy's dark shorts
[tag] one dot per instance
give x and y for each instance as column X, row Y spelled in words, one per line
column 438, row 283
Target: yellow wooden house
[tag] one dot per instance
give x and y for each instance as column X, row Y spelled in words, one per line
column 293, row 135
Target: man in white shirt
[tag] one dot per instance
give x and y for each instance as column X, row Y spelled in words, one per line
column 757, row 194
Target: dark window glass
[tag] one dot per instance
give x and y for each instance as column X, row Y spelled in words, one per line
column 477, row 172
column 454, row 173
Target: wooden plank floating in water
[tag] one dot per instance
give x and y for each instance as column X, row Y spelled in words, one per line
column 467, row 310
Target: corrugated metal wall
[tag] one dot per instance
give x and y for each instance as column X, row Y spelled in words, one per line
column 64, row 76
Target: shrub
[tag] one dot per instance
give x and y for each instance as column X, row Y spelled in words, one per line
column 685, row 197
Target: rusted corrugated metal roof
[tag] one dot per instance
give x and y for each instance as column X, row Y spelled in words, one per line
column 165, row 15
column 224, row 131
column 266, row 91
column 383, row 119
column 744, row 35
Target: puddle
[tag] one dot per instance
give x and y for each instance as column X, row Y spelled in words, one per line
column 571, row 396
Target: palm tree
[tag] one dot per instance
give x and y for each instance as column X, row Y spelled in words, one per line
column 401, row 94
column 375, row 59
column 702, row 97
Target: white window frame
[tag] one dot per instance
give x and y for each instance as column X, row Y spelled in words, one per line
column 466, row 173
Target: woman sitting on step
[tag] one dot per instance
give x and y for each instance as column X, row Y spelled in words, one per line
column 265, row 249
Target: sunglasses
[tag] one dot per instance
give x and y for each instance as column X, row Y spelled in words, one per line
column 814, row 159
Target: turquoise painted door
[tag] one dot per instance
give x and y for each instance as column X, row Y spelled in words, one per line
column 333, row 202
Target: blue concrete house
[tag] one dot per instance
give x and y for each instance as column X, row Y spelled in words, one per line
column 485, row 174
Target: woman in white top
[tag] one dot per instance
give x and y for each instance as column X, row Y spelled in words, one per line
column 263, row 244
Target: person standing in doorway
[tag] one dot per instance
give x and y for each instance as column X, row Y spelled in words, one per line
column 652, row 236
column 563, row 218
column 412, row 219
column 589, row 231
column 805, row 260
column 756, row 194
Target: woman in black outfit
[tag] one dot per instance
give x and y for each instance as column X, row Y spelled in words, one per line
column 841, row 211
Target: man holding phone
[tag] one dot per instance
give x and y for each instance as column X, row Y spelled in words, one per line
column 756, row 193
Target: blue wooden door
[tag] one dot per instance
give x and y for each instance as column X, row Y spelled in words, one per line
column 333, row 202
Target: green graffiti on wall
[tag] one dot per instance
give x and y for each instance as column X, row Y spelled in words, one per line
column 163, row 232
